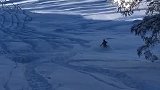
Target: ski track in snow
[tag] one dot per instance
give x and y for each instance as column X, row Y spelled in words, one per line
column 120, row 76
column 35, row 80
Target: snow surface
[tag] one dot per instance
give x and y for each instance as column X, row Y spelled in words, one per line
column 90, row 9
column 61, row 52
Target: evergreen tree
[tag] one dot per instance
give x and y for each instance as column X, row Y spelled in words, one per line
column 148, row 29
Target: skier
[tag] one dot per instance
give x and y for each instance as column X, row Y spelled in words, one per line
column 104, row 44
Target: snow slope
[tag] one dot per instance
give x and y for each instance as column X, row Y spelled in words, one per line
column 90, row 9
column 61, row 52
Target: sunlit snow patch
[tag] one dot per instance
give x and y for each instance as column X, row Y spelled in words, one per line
column 138, row 15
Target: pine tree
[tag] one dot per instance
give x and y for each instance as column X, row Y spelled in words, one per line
column 148, row 29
